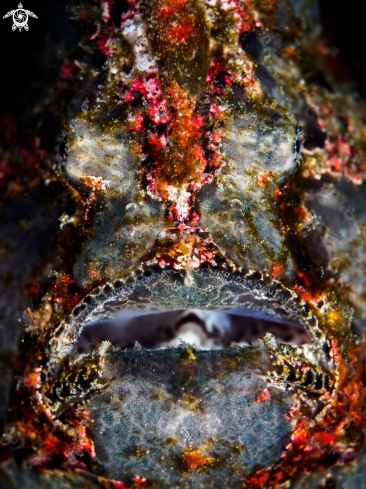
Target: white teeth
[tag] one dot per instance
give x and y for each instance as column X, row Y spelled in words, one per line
column 192, row 334
column 212, row 320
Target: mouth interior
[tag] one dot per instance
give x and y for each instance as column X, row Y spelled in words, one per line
column 201, row 328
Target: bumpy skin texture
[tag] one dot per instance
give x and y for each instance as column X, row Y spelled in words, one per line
column 203, row 166
column 151, row 418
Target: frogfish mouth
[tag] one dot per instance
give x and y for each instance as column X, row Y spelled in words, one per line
column 208, row 345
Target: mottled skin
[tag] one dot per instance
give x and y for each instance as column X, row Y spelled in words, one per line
column 208, row 168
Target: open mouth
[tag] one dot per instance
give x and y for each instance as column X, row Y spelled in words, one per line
column 211, row 388
column 202, row 329
column 159, row 311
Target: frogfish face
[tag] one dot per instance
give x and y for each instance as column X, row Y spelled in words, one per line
column 211, row 342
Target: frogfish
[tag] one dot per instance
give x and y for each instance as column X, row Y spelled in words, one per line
column 183, row 242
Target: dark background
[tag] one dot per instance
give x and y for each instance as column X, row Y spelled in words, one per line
column 23, row 55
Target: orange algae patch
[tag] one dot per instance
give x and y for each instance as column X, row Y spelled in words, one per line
column 96, row 183
column 303, row 214
column 265, row 178
column 276, row 270
column 181, row 23
column 93, row 274
column 195, row 460
column 186, row 29
column 33, row 379
column 277, row 193
column 290, row 50
column 308, row 287
column 337, row 435
column 139, row 481
column 264, row 395
column 184, row 161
